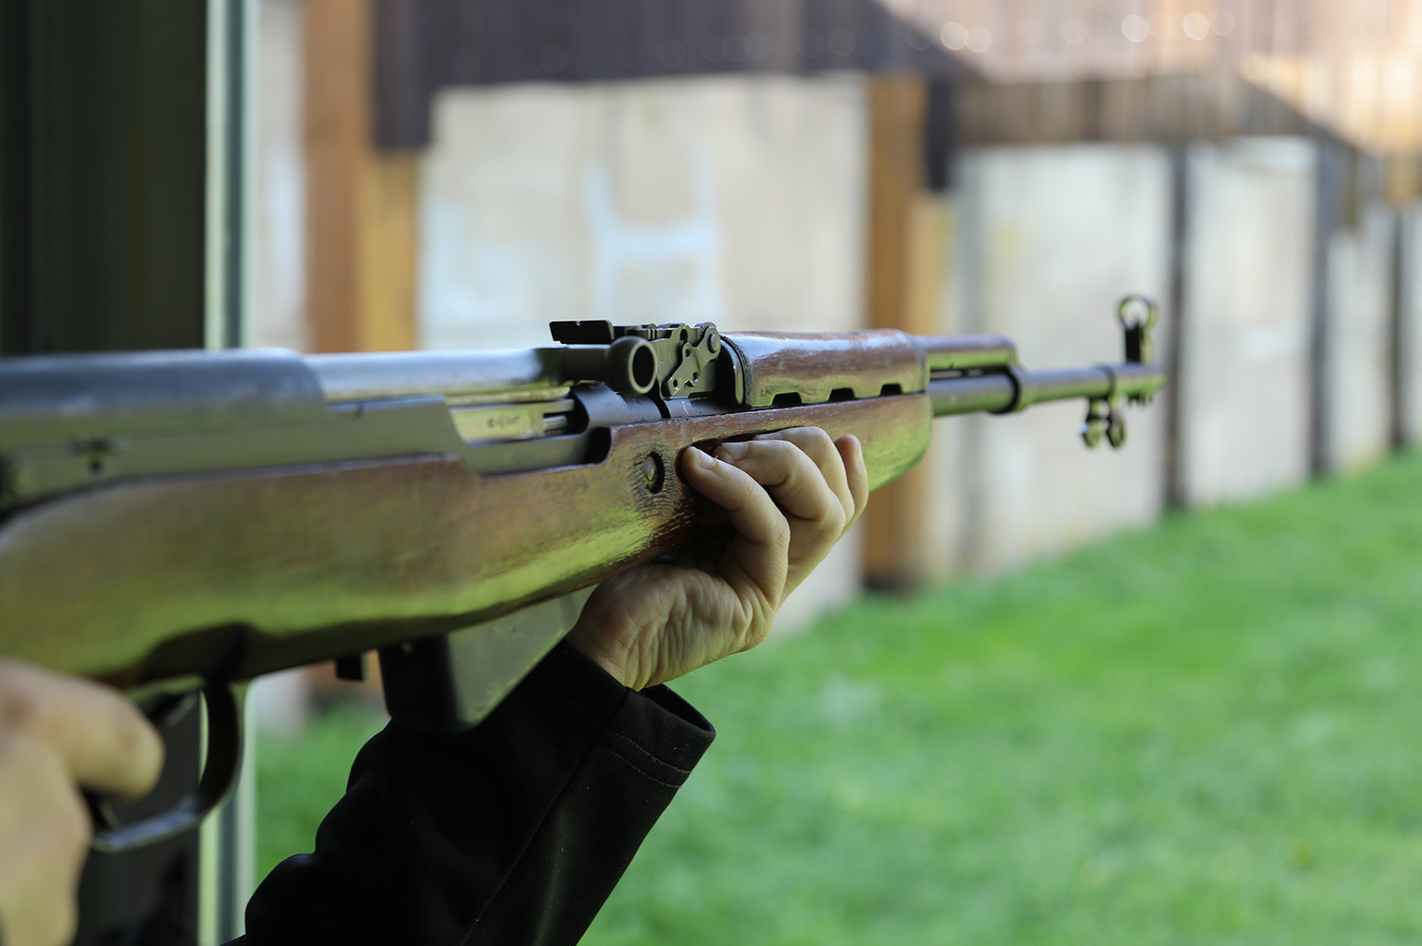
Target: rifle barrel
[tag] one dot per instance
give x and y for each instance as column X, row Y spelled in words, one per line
column 968, row 395
column 1001, row 391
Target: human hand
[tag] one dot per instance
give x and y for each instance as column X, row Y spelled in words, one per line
column 58, row 733
column 790, row 496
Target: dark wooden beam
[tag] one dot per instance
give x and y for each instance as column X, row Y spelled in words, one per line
column 1179, row 108
column 426, row 45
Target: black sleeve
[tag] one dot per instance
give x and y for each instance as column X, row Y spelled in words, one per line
column 513, row 833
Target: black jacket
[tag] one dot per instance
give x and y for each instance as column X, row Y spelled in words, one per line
column 513, row 833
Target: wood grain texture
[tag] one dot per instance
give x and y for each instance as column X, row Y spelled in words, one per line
column 337, row 120
column 248, row 573
column 389, row 252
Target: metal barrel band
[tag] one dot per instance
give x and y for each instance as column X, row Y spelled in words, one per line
column 1022, row 389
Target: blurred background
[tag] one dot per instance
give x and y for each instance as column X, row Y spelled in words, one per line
column 459, row 173
column 1202, row 731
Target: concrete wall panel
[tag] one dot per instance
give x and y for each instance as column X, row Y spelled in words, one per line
column 1047, row 240
column 277, row 316
column 1360, row 264
column 734, row 199
column 1244, row 360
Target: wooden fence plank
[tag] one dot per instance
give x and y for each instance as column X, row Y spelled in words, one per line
column 360, row 203
column 901, row 279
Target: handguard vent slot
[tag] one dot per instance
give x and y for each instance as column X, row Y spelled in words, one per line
column 842, row 394
column 786, row 399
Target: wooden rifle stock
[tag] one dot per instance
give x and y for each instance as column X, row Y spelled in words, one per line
column 193, row 520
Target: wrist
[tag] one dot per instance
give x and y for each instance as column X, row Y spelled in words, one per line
column 598, row 655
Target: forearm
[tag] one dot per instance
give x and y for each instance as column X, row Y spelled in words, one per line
column 514, row 832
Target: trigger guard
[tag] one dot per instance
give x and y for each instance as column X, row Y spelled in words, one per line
column 219, row 776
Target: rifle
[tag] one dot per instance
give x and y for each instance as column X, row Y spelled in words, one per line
column 182, row 521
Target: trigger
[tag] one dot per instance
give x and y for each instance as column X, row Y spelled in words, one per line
column 135, row 825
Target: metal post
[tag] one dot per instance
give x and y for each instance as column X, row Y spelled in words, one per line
column 1175, row 485
column 231, row 124
column 1397, row 361
column 228, row 839
column 1329, row 213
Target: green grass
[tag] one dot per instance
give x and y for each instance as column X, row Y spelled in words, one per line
column 1208, row 732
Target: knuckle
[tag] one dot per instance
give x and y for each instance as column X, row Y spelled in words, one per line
column 779, row 449
column 758, row 624
column 22, row 709
column 756, row 636
column 813, row 441
column 778, row 534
